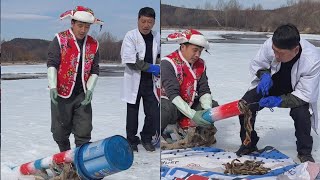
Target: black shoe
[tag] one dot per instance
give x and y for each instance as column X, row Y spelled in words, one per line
column 244, row 150
column 305, row 158
column 134, row 147
column 134, row 141
column 148, row 146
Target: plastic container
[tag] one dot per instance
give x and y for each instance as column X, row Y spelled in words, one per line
column 103, row 158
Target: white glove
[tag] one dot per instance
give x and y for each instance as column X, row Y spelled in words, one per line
column 52, row 77
column 206, row 101
column 183, row 107
column 92, row 81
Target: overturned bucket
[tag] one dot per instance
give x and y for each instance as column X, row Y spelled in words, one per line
column 102, row 158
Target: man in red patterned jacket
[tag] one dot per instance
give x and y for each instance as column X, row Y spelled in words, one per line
column 185, row 91
column 73, row 71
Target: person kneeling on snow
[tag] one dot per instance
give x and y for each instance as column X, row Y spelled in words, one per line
column 185, row 91
column 286, row 73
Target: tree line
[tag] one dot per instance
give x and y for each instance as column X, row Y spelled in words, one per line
column 231, row 15
column 22, row 50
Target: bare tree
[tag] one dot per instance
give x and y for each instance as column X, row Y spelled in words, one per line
column 220, row 6
column 291, row 2
column 208, row 5
column 109, row 47
column 232, row 13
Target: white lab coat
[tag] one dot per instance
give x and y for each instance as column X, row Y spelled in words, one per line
column 305, row 73
column 132, row 44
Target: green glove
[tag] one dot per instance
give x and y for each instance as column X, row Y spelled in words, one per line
column 197, row 118
column 87, row 98
column 54, row 96
column 91, row 84
column 169, row 140
column 185, row 109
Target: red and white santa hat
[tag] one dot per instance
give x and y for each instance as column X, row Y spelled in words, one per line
column 82, row 14
column 191, row 36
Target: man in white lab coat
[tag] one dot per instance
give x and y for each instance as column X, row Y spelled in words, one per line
column 139, row 51
column 286, row 74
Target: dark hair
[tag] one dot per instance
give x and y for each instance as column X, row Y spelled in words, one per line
column 286, row 37
column 148, row 12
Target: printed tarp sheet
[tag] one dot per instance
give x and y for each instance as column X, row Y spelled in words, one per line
column 206, row 163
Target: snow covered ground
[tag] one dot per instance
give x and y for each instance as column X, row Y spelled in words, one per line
column 217, row 34
column 212, row 34
column 228, row 74
column 25, row 125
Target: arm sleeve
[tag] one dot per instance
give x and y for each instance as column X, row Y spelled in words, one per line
column 169, row 80
column 95, row 65
column 128, row 50
column 158, row 60
column 262, row 60
column 291, row 101
column 262, row 71
column 139, row 65
column 307, row 87
column 54, row 54
column 203, row 86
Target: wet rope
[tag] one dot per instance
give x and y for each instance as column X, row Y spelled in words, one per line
column 244, row 109
column 191, row 137
column 246, row 168
column 65, row 171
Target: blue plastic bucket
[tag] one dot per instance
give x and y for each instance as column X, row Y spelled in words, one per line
column 102, row 158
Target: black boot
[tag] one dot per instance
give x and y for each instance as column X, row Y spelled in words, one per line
column 148, row 146
column 251, row 147
column 245, row 150
column 134, row 143
column 134, row 147
column 305, row 157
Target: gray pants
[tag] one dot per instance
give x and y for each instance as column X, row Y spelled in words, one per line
column 69, row 116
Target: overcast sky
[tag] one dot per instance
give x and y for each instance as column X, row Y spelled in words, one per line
column 39, row 19
column 267, row 4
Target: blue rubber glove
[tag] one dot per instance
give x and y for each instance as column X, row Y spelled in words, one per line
column 270, row 102
column 264, row 84
column 154, row 69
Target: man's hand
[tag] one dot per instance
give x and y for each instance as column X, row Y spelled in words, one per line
column 264, row 84
column 87, row 99
column 199, row 120
column 270, row 102
column 154, row 69
column 54, row 96
column 52, row 78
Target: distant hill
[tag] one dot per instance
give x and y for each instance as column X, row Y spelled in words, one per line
column 304, row 14
column 24, row 50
